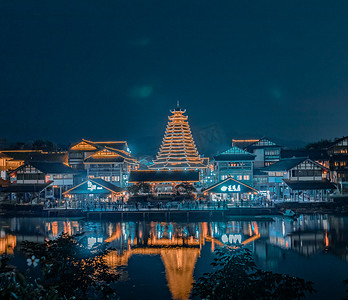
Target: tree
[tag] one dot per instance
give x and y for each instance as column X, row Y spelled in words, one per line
column 69, row 271
column 141, row 187
column 237, row 277
column 319, row 145
column 187, row 188
column 44, row 145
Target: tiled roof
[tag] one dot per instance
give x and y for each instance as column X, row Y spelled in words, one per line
column 21, row 155
column 122, row 145
column 216, row 188
column 111, row 159
column 259, row 172
column 311, row 154
column 105, row 187
column 52, row 167
column 117, row 156
column 233, row 157
column 119, row 145
column 164, row 176
column 47, row 157
column 284, row 164
column 25, row 188
column 310, row 185
column 107, row 184
column 177, row 166
column 234, row 154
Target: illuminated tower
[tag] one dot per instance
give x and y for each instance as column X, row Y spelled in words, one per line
column 178, row 150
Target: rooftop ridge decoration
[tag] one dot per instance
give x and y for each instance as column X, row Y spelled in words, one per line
column 178, row 149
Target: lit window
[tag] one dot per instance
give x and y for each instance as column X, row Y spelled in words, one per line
column 115, row 178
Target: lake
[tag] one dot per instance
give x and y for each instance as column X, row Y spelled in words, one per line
column 161, row 260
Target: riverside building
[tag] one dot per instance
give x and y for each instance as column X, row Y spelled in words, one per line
column 40, row 180
column 110, row 161
column 299, row 179
column 235, row 163
column 338, row 153
column 266, row 152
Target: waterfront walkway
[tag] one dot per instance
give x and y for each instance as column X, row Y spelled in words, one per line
column 166, row 214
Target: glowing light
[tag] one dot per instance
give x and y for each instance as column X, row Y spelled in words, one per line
column 231, row 188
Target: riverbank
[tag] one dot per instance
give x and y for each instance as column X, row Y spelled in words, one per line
column 339, row 206
column 168, row 214
column 127, row 214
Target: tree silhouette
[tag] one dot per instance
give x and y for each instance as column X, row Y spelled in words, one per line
column 237, row 277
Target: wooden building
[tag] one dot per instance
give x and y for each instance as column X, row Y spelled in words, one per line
column 266, row 152
column 110, row 161
column 235, row 163
column 299, row 179
column 93, row 193
column 53, row 177
column 338, row 153
column 231, row 190
column 12, row 159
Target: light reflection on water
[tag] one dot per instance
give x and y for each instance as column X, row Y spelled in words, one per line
column 180, row 245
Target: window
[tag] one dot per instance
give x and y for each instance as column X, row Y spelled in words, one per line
column 239, row 177
column 272, row 152
column 223, row 177
column 115, row 178
column 246, row 177
column 306, row 173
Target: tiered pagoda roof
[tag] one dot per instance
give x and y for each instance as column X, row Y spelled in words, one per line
column 178, row 150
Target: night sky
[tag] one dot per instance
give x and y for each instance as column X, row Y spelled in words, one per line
column 111, row 70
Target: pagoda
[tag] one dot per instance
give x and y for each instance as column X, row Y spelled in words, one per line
column 178, row 150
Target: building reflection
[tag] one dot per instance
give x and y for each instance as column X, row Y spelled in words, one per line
column 306, row 235
column 179, row 245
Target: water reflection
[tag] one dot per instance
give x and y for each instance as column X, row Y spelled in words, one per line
column 179, row 245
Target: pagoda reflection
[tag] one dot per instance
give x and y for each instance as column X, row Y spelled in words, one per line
column 178, row 245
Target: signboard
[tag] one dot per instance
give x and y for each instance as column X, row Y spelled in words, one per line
column 230, row 188
column 92, row 187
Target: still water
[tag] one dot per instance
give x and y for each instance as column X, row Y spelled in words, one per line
column 161, row 260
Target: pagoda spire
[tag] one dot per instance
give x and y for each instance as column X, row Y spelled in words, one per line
column 178, row 150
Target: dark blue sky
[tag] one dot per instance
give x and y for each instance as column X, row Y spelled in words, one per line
column 113, row 69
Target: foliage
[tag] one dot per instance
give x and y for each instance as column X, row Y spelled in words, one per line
column 319, row 145
column 44, row 145
column 15, row 285
column 69, row 270
column 187, row 188
column 237, row 277
column 141, row 187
